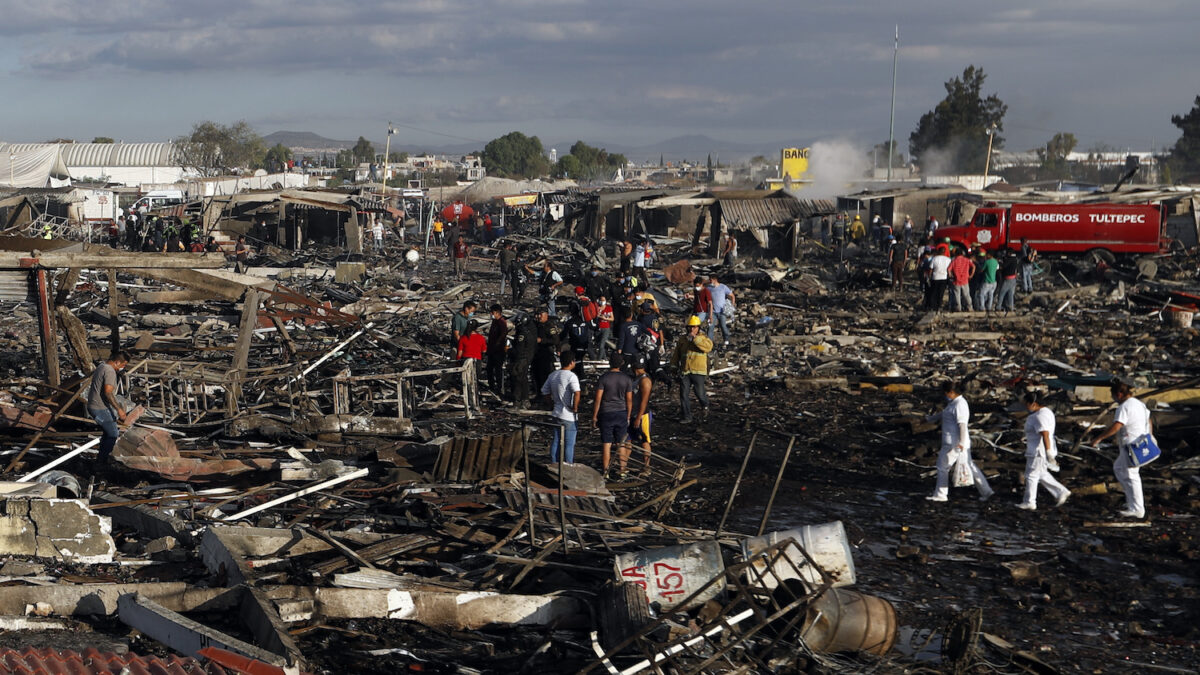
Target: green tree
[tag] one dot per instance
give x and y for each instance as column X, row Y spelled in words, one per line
column 344, row 159
column 277, row 158
column 587, row 163
column 398, row 157
column 515, row 155
column 756, row 160
column 214, row 149
column 956, row 129
column 569, row 166
column 363, row 151
column 1054, row 156
column 102, row 139
column 1185, row 155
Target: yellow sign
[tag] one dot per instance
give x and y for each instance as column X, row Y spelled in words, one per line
column 519, row 200
column 793, row 164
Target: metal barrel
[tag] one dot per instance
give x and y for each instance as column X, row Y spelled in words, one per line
column 669, row 575
column 841, row 620
column 826, row 544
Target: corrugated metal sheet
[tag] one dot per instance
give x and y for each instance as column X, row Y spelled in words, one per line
column 743, row 214
column 816, row 207
column 15, row 286
column 105, row 154
column 94, row 662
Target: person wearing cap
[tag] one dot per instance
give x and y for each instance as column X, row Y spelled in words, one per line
column 578, row 331
column 587, row 308
column 597, row 284
column 1040, row 451
column 943, row 247
column 642, row 419
column 612, row 409
column 956, row 444
column 939, row 278
column 690, row 360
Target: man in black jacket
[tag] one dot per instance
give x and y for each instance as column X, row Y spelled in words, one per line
column 519, row 359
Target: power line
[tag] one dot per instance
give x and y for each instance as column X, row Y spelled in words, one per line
column 437, row 133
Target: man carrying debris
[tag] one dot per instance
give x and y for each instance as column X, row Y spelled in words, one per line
column 723, row 302
column 690, row 360
column 640, row 423
column 956, row 445
column 460, row 321
column 611, row 412
column 702, row 303
column 520, row 358
column 102, row 405
column 563, row 390
column 497, row 345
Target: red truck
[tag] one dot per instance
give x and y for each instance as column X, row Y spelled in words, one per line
column 1101, row 230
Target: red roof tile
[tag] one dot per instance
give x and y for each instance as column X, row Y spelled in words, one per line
column 30, row 661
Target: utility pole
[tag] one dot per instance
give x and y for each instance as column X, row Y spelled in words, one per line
column 987, row 163
column 387, row 154
column 892, row 118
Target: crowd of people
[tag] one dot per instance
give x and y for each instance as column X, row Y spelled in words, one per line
column 609, row 317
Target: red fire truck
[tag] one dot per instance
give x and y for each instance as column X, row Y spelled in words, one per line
column 1101, row 230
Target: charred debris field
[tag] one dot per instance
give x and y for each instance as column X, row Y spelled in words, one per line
column 310, row 481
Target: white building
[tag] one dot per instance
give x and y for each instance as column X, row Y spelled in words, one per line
column 129, row 164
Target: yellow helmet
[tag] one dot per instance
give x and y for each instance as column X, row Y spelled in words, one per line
column 858, row 217
column 693, row 320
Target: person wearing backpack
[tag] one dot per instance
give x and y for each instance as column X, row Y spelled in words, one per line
column 690, row 360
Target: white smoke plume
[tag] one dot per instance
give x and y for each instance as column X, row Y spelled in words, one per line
column 832, row 166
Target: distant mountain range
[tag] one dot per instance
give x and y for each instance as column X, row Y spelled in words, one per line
column 694, row 147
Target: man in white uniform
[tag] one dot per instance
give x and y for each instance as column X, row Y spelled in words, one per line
column 956, row 445
column 1131, row 421
column 1040, row 450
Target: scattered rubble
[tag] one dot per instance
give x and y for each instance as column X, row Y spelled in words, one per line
column 311, row 483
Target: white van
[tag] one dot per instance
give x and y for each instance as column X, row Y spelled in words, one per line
column 156, row 199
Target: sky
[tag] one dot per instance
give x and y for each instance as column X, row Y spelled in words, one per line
column 621, row 72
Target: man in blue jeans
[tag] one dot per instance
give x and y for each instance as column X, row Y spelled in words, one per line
column 102, row 403
column 563, row 389
column 722, row 302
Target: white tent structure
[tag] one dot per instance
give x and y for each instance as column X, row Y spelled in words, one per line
column 37, row 165
column 132, row 164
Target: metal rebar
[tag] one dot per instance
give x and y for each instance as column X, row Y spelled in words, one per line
column 762, row 526
column 736, row 484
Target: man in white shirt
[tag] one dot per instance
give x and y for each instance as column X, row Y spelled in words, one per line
column 1131, row 421
column 563, row 389
column 939, row 278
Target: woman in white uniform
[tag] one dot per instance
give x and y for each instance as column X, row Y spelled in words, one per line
column 1040, row 450
column 1131, row 422
column 956, row 445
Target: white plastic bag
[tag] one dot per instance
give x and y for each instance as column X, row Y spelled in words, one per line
column 960, row 473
